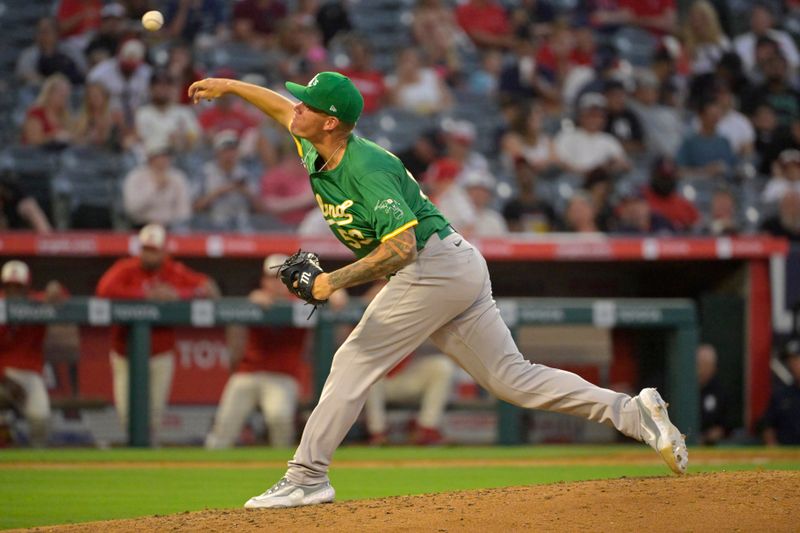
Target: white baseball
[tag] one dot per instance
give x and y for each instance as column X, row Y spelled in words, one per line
column 153, row 20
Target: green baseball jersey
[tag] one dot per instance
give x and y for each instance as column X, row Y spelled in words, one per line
column 369, row 197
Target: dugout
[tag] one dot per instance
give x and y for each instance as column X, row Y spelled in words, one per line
column 727, row 279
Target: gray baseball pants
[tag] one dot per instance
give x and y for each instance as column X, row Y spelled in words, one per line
column 444, row 295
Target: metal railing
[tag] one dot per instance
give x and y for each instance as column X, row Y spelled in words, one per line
column 676, row 318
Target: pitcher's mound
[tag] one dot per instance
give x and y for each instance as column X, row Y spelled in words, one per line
column 734, row 501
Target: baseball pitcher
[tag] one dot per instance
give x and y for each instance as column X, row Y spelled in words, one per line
column 439, row 289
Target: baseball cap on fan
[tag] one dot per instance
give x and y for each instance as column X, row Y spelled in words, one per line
column 153, row 236
column 332, row 93
column 16, row 272
column 592, row 101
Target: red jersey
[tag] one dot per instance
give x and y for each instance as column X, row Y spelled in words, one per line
column 288, row 179
column 21, row 345
column 127, row 280
column 278, row 350
column 213, row 120
column 265, row 18
column 90, row 9
column 677, row 209
column 39, row 114
column 371, row 86
column 647, row 8
column 490, row 18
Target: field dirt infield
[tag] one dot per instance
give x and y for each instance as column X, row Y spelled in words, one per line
column 730, row 501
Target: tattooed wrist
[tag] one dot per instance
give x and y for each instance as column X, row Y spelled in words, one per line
column 386, row 259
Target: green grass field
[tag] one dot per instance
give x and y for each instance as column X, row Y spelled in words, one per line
column 69, row 486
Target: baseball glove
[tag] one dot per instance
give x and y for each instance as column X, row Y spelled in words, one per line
column 298, row 274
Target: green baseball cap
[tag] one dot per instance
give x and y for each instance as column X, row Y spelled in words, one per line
column 332, row 93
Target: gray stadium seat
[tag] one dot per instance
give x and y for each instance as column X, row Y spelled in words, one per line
column 635, row 45
column 87, row 188
column 33, row 169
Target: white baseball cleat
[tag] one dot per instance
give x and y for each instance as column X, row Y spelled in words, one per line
column 660, row 433
column 284, row 493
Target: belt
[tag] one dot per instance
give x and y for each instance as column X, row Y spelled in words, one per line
column 445, row 231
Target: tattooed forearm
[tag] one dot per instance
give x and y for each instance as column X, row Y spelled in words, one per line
column 386, row 259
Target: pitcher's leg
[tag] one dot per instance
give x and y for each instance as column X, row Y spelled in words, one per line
column 362, row 360
column 398, row 320
column 481, row 342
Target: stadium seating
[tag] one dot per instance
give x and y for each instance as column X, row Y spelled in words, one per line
column 87, row 189
column 32, row 169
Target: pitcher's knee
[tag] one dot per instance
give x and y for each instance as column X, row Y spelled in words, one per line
column 506, row 393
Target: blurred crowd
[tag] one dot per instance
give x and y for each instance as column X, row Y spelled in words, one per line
column 518, row 116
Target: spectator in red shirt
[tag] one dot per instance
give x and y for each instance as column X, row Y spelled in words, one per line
column 486, row 22
column 256, row 22
column 21, row 353
column 554, row 56
column 657, row 16
column 664, row 199
column 268, row 370
column 78, row 20
column 181, row 66
column 49, row 121
column 285, row 188
column 154, row 276
column 366, row 78
column 228, row 113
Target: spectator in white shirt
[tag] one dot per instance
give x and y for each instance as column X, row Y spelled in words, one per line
column 488, row 222
column 704, row 38
column 761, row 22
column 663, row 126
column 416, row 87
column 786, row 178
column 156, row 192
column 733, row 125
column 226, row 193
column 587, row 146
column 443, row 188
column 127, row 78
column 459, row 137
column 165, row 122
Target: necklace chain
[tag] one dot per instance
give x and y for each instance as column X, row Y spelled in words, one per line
column 333, row 154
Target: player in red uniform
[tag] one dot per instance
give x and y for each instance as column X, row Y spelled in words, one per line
column 153, row 275
column 267, row 364
column 21, row 355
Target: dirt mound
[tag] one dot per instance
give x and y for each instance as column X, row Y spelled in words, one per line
column 735, row 501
